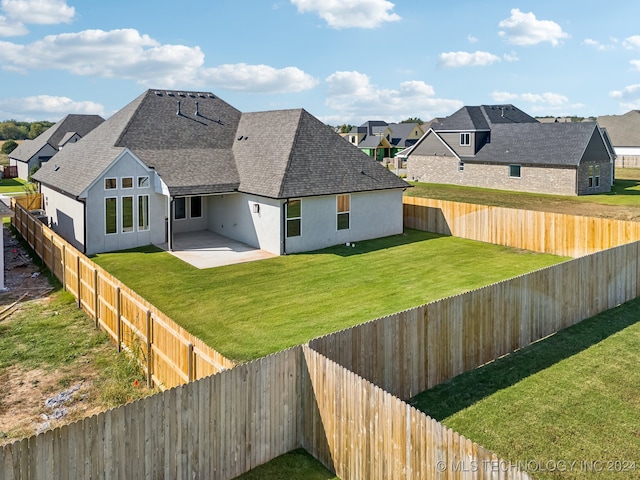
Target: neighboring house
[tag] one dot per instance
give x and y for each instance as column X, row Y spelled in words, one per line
column 624, row 131
column 33, row 153
column 381, row 140
column 171, row 162
column 501, row 147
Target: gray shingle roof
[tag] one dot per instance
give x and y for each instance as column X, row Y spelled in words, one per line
column 537, row 143
column 276, row 154
column 483, row 117
column 623, row 130
column 80, row 124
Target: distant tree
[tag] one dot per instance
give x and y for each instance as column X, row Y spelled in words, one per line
column 33, row 170
column 37, row 128
column 417, row 120
column 9, row 146
column 9, row 130
column 345, row 128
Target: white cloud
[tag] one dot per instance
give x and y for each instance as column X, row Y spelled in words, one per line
column 510, row 57
column 467, row 59
column 598, row 45
column 355, row 99
column 548, row 98
column 127, row 54
column 632, row 42
column 629, row 96
column 9, row 28
column 41, row 12
column 525, row 29
column 352, row 14
column 47, row 107
column 635, row 63
column 258, row 78
column 17, row 13
column 472, row 39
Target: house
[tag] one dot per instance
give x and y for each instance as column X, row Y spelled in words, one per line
column 624, row 131
column 172, row 162
column 501, row 147
column 381, row 140
column 33, row 153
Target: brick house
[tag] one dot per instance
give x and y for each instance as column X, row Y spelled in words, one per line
column 501, row 147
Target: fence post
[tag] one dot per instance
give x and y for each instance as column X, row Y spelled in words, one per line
column 96, row 296
column 149, row 379
column 79, row 283
column 64, row 267
column 190, row 362
column 53, row 256
column 118, row 326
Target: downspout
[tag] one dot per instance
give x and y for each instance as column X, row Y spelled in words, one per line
column 170, row 224
column 284, row 226
column 84, row 232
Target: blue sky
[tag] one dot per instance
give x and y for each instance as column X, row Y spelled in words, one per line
column 343, row 61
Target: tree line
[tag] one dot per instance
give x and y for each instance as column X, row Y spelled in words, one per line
column 15, row 130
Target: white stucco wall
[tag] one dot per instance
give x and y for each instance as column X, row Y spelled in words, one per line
column 372, row 215
column 24, row 167
column 97, row 239
column 233, row 216
column 66, row 216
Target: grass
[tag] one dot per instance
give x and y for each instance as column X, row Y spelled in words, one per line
column 295, row 465
column 570, row 397
column 246, row 311
column 624, row 193
column 11, row 185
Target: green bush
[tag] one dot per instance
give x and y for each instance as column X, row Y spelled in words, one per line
column 9, row 146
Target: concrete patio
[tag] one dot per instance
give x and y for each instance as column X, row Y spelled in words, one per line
column 205, row 249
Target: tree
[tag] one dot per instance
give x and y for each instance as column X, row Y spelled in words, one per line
column 344, row 128
column 417, row 120
column 37, row 128
column 10, row 131
column 9, row 146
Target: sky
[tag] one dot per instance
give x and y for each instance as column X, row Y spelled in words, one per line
column 344, row 61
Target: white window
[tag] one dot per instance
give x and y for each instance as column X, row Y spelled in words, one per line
column 127, row 214
column 110, row 215
column 196, row 207
column 343, row 211
column 594, row 176
column 127, row 182
column 143, row 212
column 110, row 183
column 465, row 139
column 294, row 218
column 143, row 182
column 179, row 208
column 460, row 166
column 515, row 171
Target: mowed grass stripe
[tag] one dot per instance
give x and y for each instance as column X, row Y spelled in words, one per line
column 249, row 310
column 571, row 397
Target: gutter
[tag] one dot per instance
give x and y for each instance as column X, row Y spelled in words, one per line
column 284, row 226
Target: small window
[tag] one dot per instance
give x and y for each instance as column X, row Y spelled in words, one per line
column 515, row 171
column 127, row 182
column 196, row 207
column 294, row 216
column 179, row 208
column 590, row 176
column 460, row 166
column 143, row 182
column 110, row 215
column 597, row 176
column 127, row 214
column 143, row 212
column 110, row 183
column 343, row 210
column 465, row 139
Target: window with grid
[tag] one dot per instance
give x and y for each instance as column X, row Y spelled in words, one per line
column 294, row 217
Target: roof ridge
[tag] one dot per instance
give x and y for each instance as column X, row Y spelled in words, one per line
column 140, row 100
column 291, row 150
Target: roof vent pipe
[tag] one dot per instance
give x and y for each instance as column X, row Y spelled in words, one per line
column 197, row 110
column 178, row 112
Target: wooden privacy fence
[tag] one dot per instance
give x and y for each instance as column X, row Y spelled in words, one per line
column 224, row 425
column 559, row 234
column 169, row 354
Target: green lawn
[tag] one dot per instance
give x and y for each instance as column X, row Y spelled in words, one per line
column 296, row 465
column 249, row 310
column 10, row 185
column 571, row 397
